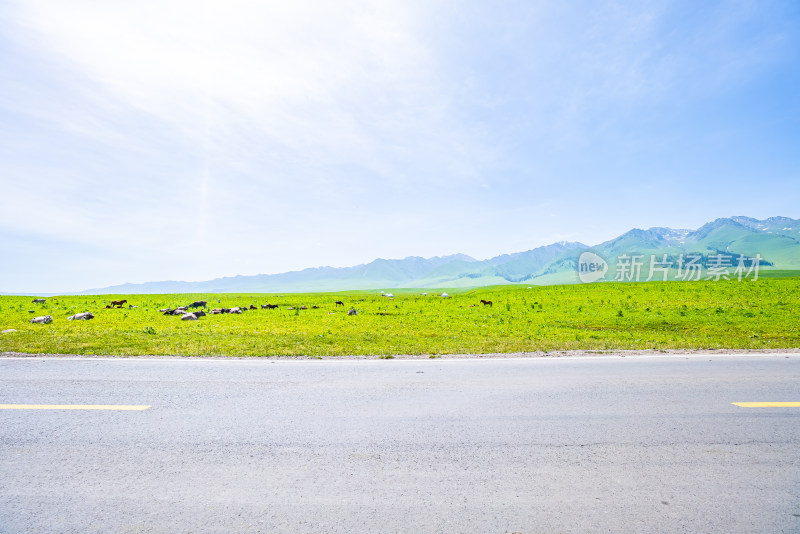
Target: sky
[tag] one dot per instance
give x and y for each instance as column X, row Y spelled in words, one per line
column 190, row 139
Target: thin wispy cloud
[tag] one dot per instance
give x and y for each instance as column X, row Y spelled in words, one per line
column 188, row 140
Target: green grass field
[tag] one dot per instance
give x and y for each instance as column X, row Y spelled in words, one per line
column 656, row 315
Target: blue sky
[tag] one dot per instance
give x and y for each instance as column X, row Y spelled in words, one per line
column 187, row 140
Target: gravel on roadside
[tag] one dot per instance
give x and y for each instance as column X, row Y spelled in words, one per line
column 553, row 354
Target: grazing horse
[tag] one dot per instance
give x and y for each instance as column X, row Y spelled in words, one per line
column 339, row 303
column 118, row 302
column 486, row 302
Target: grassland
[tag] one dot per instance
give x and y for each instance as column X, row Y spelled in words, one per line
column 656, row 315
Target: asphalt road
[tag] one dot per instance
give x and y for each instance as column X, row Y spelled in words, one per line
column 636, row 444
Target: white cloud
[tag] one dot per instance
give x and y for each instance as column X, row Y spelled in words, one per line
column 327, row 82
column 189, row 115
column 289, row 134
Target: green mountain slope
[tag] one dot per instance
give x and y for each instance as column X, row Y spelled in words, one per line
column 776, row 240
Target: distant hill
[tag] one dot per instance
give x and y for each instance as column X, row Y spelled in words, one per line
column 776, row 240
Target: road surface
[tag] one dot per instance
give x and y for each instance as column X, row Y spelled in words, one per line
column 645, row 444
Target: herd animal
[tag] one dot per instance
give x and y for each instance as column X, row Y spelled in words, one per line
column 47, row 319
column 193, row 316
column 182, row 311
column 186, row 315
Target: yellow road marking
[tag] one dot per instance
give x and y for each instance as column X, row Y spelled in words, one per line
column 767, row 404
column 71, row 407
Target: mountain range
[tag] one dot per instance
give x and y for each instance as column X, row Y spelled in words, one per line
column 775, row 240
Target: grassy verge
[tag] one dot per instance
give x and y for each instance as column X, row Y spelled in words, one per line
column 655, row 315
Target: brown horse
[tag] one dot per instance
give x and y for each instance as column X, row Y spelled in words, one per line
column 118, row 302
column 339, row 303
column 486, row 302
